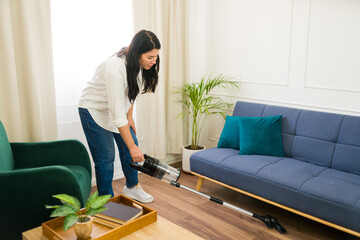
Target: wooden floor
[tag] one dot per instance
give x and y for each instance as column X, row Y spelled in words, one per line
column 212, row 221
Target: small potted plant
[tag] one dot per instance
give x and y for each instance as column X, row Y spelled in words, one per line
column 200, row 104
column 74, row 215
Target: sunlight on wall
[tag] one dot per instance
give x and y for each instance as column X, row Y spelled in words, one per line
column 85, row 33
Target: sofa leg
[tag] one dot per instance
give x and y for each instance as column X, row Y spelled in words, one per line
column 199, row 183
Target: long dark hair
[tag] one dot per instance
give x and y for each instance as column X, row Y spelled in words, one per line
column 144, row 41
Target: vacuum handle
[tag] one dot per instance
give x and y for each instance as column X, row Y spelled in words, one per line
column 140, row 167
column 148, row 157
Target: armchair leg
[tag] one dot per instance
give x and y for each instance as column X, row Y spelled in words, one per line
column 199, row 183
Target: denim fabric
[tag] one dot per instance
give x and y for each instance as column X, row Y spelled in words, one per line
column 102, row 148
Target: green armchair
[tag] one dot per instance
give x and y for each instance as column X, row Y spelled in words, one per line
column 30, row 173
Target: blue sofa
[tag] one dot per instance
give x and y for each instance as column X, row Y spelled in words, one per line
column 319, row 176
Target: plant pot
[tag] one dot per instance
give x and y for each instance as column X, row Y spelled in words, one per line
column 83, row 229
column 186, row 153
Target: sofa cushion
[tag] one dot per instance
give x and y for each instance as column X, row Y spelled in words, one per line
column 261, row 136
column 312, row 150
column 209, row 160
column 336, row 186
column 290, row 172
column 350, row 131
column 247, row 109
column 289, row 117
column 347, row 152
column 249, row 164
column 346, row 158
column 319, row 125
column 229, row 137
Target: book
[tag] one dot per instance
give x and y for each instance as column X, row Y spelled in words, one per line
column 105, row 222
column 119, row 213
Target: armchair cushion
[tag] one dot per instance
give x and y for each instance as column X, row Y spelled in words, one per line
column 6, row 156
column 31, row 173
column 83, row 177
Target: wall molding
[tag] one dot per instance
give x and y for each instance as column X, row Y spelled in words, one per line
column 333, row 89
column 267, row 83
column 290, row 104
column 307, row 46
column 306, row 80
column 287, row 80
column 290, row 40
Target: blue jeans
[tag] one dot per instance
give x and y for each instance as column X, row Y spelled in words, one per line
column 101, row 144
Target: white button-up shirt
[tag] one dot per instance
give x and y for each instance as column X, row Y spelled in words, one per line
column 106, row 95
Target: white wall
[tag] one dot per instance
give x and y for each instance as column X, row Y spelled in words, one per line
column 300, row 53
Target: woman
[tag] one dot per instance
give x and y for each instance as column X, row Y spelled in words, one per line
column 106, row 107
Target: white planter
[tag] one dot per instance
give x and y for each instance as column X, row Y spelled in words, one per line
column 186, row 153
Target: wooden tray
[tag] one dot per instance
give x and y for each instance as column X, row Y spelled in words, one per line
column 53, row 229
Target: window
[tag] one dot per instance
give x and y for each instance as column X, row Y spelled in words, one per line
column 85, row 33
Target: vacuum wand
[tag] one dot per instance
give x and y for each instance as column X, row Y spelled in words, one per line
column 268, row 220
column 213, row 199
column 159, row 170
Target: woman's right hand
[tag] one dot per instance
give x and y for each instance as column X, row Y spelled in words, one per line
column 136, row 154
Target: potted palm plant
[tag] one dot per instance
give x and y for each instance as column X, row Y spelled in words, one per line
column 200, row 104
column 74, row 215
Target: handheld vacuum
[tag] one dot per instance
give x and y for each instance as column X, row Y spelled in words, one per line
column 161, row 171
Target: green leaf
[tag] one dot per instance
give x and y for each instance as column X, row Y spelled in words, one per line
column 100, row 201
column 94, row 211
column 49, row 207
column 67, row 199
column 200, row 103
column 62, row 211
column 69, row 221
column 91, row 199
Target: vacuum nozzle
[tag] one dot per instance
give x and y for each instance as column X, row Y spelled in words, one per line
column 155, row 168
column 270, row 222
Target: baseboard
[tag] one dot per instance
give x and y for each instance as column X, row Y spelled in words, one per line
column 171, row 158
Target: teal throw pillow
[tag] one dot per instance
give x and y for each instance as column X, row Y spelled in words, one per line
column 261, row 136
column 229, row 137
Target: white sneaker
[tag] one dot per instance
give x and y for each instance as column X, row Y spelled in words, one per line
column 138, row 194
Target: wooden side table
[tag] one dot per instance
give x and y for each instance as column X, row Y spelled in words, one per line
column 162, row 229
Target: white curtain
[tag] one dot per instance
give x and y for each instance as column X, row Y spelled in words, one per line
column 159, row 129
column 27, row 94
